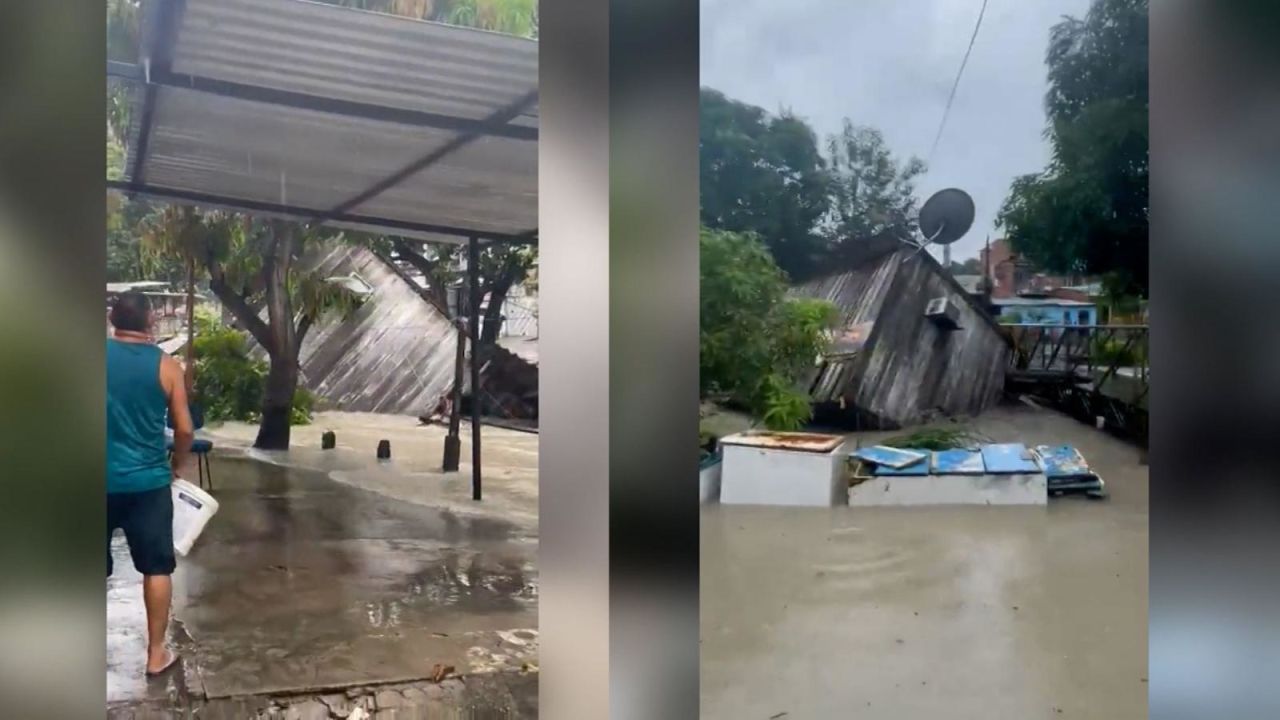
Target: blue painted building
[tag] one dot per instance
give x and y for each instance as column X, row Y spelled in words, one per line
column 1045, row 311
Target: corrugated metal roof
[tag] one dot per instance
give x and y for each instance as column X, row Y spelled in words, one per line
column 308, row 110
column 336, row 52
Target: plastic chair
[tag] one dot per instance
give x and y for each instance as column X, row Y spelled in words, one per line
column 200, row 447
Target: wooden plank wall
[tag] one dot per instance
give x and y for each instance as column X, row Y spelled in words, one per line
column 859, row 294
column 393, row 355
column 913, row 367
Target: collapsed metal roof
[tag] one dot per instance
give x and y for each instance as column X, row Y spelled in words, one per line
column 321, row 113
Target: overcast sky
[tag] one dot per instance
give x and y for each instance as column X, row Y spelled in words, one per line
column 890, row 64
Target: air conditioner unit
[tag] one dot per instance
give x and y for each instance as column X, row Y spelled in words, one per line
column 943, row 313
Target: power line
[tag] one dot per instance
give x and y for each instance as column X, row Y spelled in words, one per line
column 954, row 86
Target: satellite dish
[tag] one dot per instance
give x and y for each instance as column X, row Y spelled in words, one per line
column 946, row 216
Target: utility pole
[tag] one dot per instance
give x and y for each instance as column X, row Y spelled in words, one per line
column 986, row 268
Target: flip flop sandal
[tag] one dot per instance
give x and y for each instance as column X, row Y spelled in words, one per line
column 173, row 661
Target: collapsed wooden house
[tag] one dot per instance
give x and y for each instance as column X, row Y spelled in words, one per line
column 396, row 353
column 911, row 344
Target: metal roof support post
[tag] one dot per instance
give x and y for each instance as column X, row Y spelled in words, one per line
column 191, row 324
column 473, row 285
column 453, row 441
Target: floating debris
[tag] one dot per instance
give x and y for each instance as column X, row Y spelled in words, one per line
column 889, row 456
column 958, row 462
column 1062, row 468
column 1008, row 459
column 1067, row 472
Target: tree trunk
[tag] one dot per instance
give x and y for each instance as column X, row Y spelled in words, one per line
column 277, row 404
column 433, row 291
column 492, row 323
column 282, row 378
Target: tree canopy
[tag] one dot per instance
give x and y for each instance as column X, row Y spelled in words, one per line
column 1087, row 211
column 872, row 192
column 766, row 174
column 762, row 174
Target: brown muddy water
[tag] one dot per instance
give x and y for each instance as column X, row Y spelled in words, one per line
column 906, row 613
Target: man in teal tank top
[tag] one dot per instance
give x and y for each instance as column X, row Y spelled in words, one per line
column 144, row 385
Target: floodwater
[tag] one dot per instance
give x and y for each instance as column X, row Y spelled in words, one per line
column 303, row 583
column 925, row 613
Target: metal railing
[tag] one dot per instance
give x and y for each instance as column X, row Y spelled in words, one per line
column 1089, row 370
column 1081, row 349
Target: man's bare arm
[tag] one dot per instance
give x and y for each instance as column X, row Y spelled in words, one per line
column 175, row 387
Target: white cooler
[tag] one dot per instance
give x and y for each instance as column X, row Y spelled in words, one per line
column 771, row 468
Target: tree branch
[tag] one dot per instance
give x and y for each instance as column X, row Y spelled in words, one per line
column 438, row 295
column 239, row 306
column 304, row 324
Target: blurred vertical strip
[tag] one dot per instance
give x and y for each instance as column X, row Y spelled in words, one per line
column 52, row 269
column 573, row 209
column 1214, row 530
column 653, row 353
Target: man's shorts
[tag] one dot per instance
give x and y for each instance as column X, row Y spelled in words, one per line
column 147, row 520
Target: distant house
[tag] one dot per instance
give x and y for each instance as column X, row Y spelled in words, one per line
column 1012, row 275
column 168, row 307
column 1046, row 310
column 912, row 341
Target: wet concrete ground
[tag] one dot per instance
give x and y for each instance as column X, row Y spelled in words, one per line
column 925, row 613
column 304, row 583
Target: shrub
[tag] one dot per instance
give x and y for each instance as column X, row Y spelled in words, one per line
column 784, row 408
column 303, row 405
column 756, row 344
column 230, row 381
